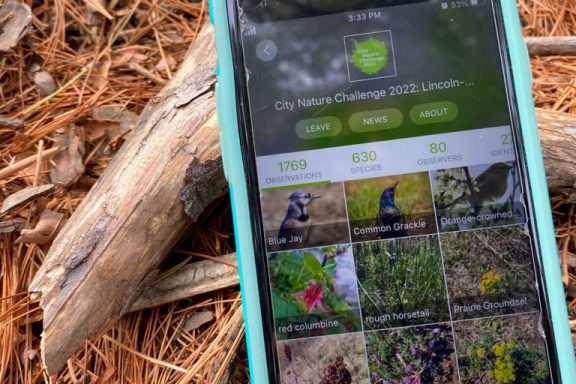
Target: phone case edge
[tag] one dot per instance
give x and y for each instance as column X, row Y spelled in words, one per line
column 521, row 70
column 234, row 170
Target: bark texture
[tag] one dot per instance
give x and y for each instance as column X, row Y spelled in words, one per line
column 99, row 263
column 558, row 135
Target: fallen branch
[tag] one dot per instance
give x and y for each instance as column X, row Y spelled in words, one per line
column 551, row 46
column 99, row 263
column 192, row 280
column 558, row 135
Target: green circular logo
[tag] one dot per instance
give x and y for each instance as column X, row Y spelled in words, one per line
column 370, row 56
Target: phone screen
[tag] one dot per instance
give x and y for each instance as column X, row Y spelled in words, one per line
column 398, row 246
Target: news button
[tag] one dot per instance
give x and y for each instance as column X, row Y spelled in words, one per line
column 376, row 120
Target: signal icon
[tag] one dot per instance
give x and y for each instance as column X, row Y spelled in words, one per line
column 250, row 31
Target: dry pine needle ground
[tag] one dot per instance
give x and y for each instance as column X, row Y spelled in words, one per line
column 81, row 56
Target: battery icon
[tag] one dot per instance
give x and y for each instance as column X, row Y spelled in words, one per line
column 474, row 3
column 445, row 4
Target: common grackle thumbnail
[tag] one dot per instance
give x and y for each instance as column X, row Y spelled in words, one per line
column 390, row 215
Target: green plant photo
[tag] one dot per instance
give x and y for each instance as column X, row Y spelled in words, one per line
column 489, row 272
column 314, row 291
column 501, row 350
column 412, row 356
column 339, row 359
column 401, row 282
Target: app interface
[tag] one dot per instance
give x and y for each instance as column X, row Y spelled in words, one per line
column 396, row 234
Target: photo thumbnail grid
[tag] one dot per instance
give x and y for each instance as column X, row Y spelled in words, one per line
column 416, row 204
column 506, row 349
column 427, row 262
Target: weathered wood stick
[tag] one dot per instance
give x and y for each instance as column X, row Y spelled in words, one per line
column 100, row 263
column 551, row 46
column 558, row 135
column 194, row 279
column 133, row 216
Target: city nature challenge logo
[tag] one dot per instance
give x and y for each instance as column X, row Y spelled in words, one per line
column 370, row 56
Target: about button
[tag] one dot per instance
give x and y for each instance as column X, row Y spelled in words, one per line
column 318, row 127
column 432, row 113
column 376, row 120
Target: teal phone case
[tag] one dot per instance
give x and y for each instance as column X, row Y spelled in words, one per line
column 234, row 170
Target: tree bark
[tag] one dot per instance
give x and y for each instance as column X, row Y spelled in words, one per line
column 558, row 136
column 99, row 267
column 133, row 216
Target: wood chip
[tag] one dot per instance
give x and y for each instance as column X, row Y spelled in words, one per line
column 100, row 75
column 31, row 354
column 110, row 126
column 46, row 229
column 68, row 166
column 14, row 21
column 168, row 64
column 111, row 121
column 6, row 122
column 21, row 139
column 129, row 54
column 24, row 196
column 198, row 319
column 45, row 84
column 10, row 226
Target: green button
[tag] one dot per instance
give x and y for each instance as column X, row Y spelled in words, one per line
column 376, row 120
column 318, row 127
column 432, row 113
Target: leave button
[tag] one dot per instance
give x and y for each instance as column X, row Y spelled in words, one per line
column 432, row 113
column 318, row 127
column 376, row 120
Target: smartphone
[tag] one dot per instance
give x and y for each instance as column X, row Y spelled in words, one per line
column 391, row 212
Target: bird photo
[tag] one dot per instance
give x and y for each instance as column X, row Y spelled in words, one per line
column 313, row 285
column 304, row 216
column 389, row 214
column 297, row 222
column 390, row 207
column 478, row 196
